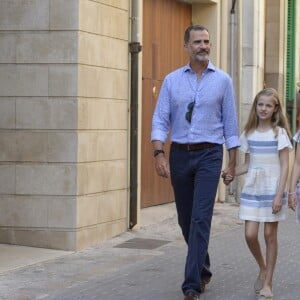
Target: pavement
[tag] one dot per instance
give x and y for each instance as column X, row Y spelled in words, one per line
column 147, row 263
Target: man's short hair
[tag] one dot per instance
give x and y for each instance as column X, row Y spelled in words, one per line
column 190, row 28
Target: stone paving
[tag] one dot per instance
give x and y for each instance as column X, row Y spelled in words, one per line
column 110, row 271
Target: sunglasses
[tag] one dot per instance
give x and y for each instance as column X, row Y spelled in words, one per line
column 188, row 115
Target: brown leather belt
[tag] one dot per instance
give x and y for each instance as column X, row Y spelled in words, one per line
column 193, row 147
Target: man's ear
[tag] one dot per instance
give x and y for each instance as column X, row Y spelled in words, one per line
column 186, row 47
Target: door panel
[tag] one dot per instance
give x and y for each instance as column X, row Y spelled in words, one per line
column 164, row 22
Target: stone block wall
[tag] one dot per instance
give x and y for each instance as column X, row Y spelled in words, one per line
column 63, row 122
column 103, row 80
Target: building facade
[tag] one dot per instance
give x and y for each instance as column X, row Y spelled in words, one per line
column 73, row 110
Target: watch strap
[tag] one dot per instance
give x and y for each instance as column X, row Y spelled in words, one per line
column 158, row 151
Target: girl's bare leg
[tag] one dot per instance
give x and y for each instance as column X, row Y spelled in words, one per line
column 270, row 233
column 251, row 236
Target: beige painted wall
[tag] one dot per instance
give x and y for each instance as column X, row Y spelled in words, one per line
column 63, row 121
column 208, row 15
column 275, row 45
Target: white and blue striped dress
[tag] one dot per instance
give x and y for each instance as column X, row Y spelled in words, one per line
column 262, row 178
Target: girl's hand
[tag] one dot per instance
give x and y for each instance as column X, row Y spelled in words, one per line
column 292, row 202
column 277, row 205
column 227, row 177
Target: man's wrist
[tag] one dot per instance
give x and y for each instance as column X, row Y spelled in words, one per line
column 158, row 151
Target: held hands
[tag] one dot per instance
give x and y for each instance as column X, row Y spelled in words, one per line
column 227, row 175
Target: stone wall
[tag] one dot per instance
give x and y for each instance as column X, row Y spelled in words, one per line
column 102, row 119
column 63, row 121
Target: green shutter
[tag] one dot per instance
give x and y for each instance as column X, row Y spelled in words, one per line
column 290, row 63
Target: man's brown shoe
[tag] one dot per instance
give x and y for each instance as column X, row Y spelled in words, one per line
column 203, row 283
column 191, row 296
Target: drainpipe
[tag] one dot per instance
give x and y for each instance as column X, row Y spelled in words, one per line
column 232, row 36
column 134, row 48
column 233, row 186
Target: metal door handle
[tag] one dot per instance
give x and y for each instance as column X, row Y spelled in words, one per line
column 154, row 92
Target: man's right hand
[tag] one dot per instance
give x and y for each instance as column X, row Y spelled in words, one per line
column 162, row 166
column 227, row 177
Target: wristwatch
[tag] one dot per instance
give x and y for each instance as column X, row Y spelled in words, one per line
column 158, row 151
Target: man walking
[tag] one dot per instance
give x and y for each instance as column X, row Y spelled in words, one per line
column 196, row 106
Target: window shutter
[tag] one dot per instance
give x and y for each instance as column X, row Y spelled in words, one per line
column 290, row 63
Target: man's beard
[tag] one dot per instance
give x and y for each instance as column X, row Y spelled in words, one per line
column 202, row 57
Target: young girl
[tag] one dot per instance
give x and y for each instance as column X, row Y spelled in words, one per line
column 266, row 143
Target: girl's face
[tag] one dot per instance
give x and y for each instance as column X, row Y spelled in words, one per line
column 266, row 107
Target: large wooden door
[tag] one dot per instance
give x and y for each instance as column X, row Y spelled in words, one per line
column 164, row 22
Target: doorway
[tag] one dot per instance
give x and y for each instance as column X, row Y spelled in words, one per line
column 164, row 23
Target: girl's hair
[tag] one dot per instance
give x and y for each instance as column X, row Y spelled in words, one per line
column 279, row 117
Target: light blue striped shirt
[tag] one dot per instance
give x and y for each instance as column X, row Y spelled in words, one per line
column 214, row 116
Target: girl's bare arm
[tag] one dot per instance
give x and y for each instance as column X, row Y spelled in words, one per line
column 284, row 169
column 294, row 178
column 243, row 169
column 239, row 170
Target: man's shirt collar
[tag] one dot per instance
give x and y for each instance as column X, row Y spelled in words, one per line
column 210, row 67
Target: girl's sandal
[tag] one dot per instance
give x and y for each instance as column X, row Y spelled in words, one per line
column 258, row 285
column 265, row 295
column 262, row 297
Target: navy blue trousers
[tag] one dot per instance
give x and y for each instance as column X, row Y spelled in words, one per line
column 195, row 176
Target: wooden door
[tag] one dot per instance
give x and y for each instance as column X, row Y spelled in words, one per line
column 164, row 23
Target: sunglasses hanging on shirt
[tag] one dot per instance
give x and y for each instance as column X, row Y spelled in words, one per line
column 189, row 113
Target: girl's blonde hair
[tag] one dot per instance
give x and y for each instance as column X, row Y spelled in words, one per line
column 279, row 117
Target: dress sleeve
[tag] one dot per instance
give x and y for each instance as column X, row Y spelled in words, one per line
column 283, row 140
column 296, row 137
column 244, row 143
